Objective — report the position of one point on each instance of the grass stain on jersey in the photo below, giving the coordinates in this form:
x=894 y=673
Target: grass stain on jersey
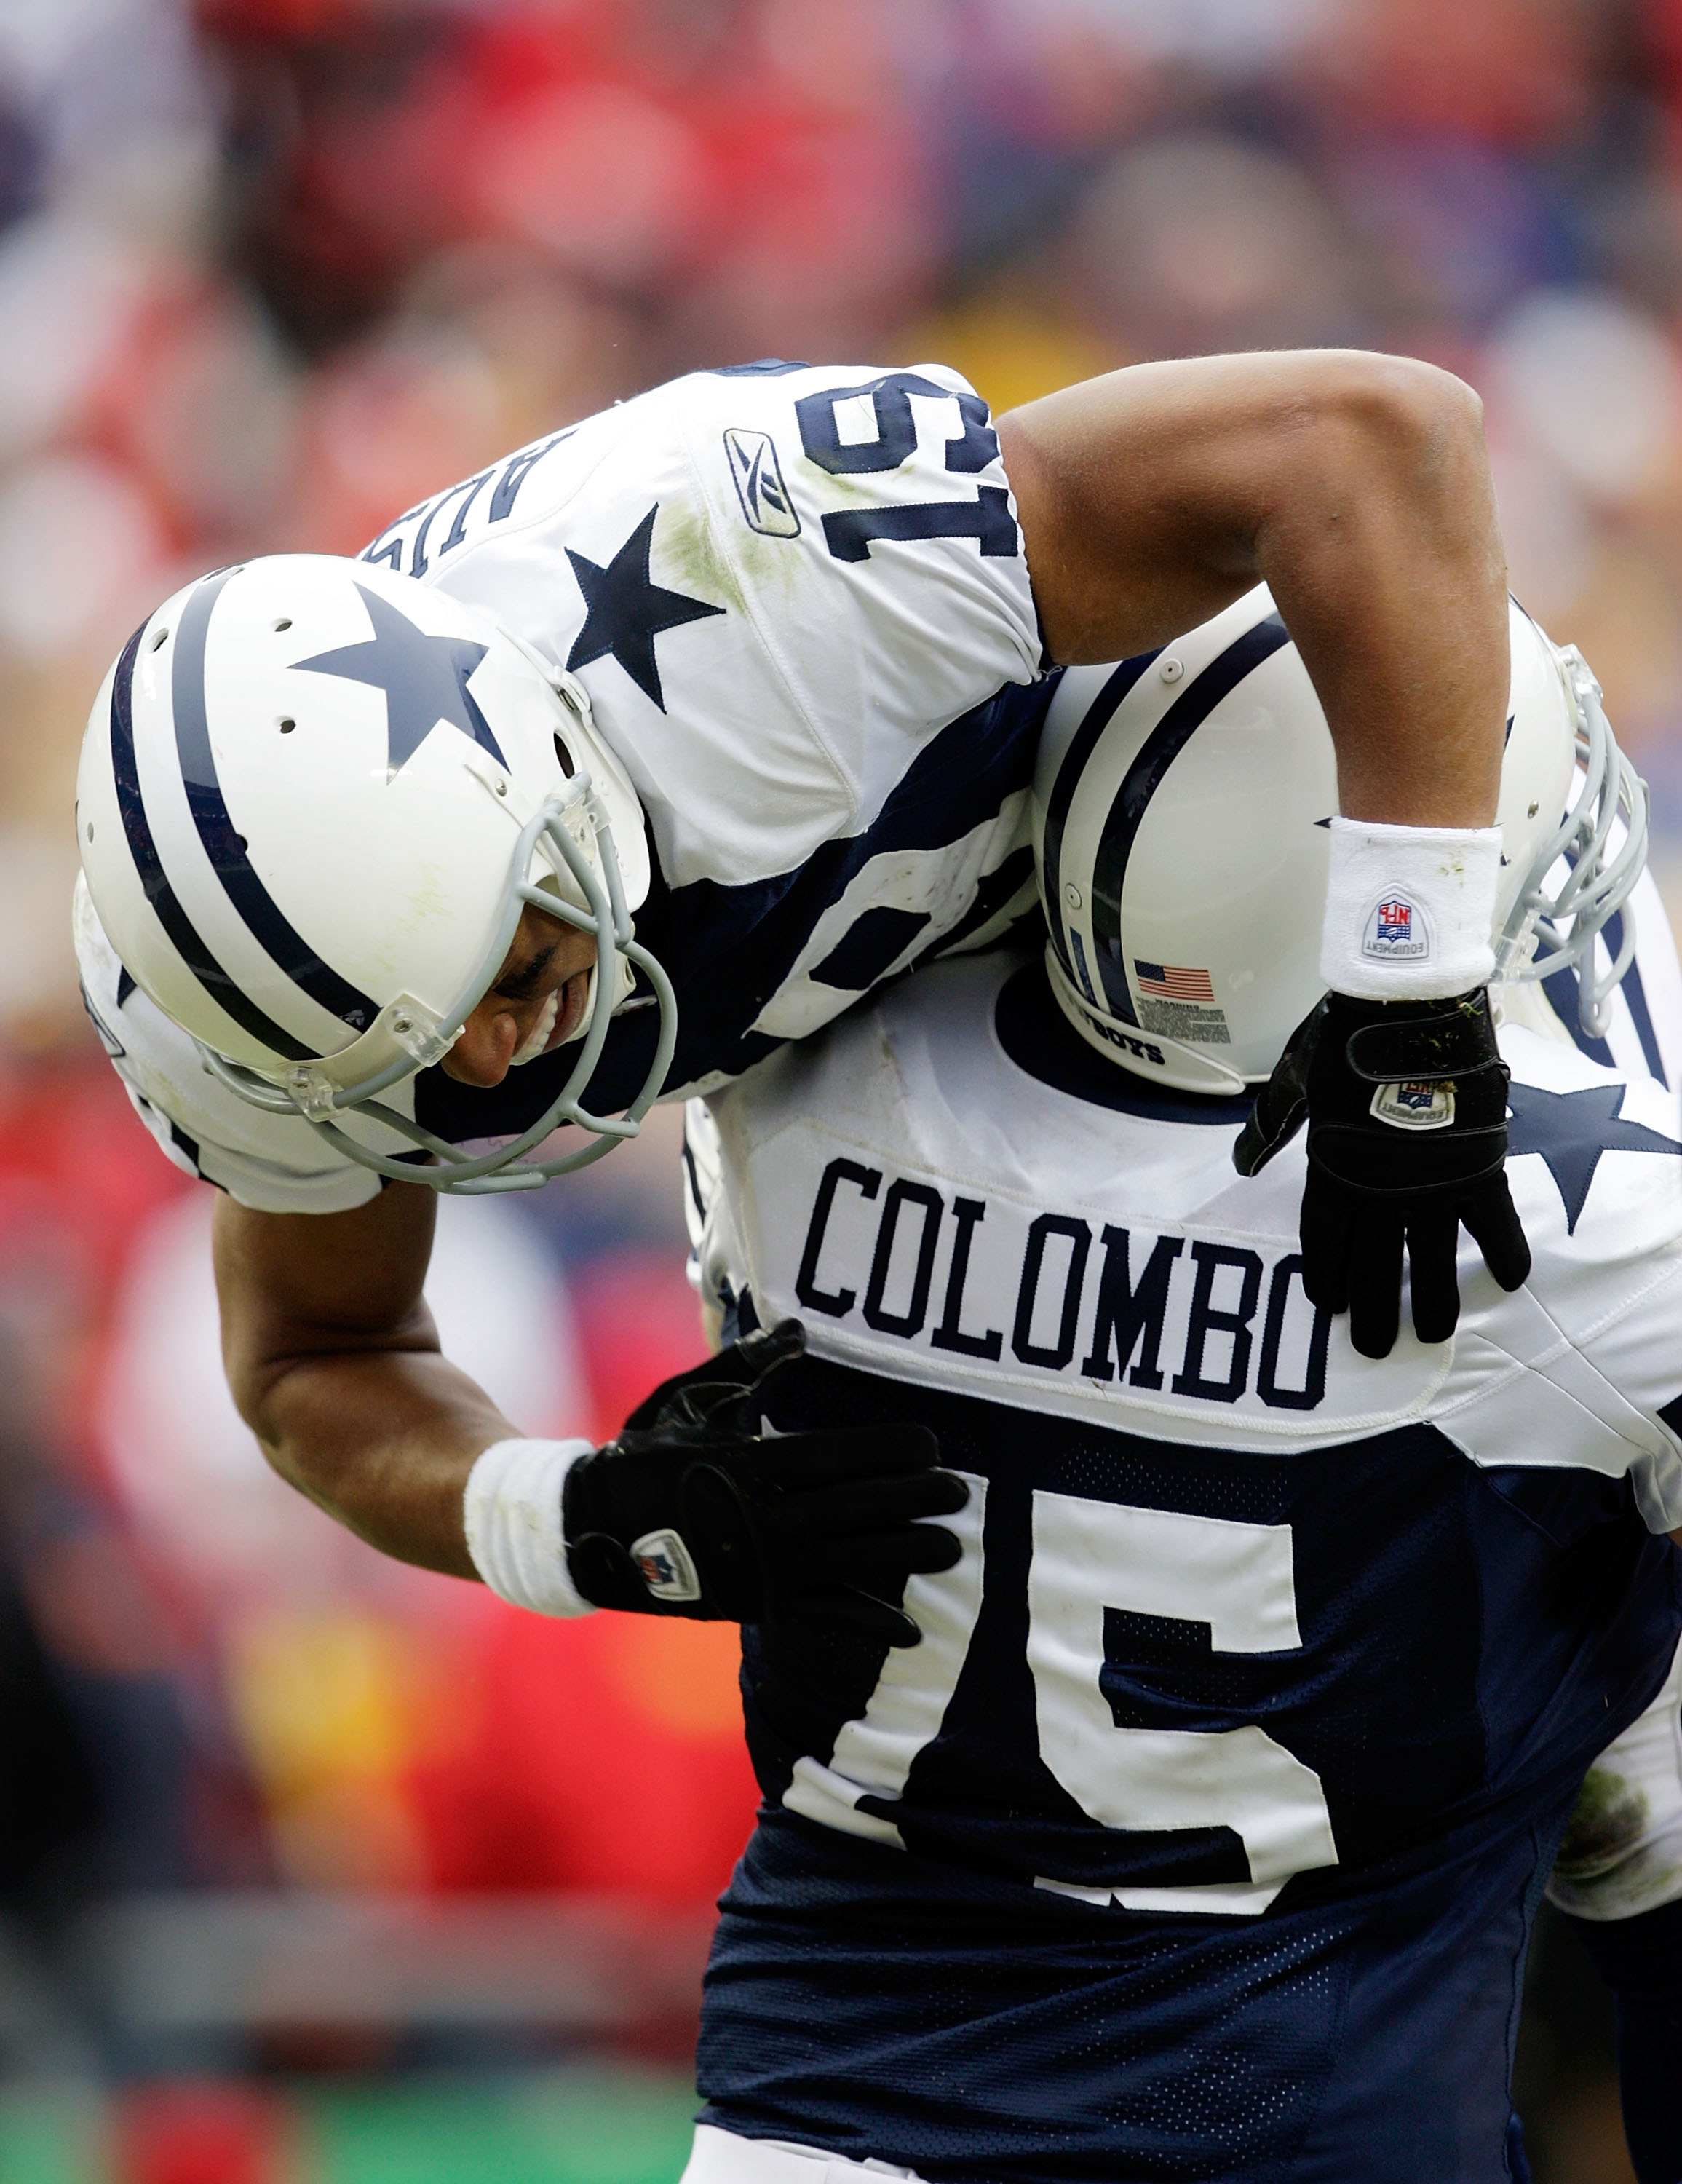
x=1606 y=1823
x=689 y=561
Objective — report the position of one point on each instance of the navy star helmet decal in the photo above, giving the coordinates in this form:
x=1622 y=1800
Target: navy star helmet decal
x=424 y=678
x=624 y=612
x=1571 y=1130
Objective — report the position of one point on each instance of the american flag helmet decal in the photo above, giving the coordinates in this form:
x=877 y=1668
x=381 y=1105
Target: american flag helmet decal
x=1174 y=981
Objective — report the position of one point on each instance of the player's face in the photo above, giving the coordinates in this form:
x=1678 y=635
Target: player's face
x=548 y=962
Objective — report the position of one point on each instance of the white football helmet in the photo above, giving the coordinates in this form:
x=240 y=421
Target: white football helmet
x=313 y=798
x=1180 y=803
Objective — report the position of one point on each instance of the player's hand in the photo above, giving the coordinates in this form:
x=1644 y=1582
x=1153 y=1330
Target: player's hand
x=1406 y=1103
x=695 y=1510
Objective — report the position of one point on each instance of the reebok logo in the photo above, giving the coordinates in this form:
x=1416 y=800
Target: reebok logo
x=758 y=476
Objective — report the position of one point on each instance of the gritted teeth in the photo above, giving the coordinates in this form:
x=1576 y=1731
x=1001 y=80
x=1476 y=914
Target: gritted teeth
x=540 y=1031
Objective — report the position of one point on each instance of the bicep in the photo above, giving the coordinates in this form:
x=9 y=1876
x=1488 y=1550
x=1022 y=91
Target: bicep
x=1121 y=551
x=296 y=1284
x=1147 y=497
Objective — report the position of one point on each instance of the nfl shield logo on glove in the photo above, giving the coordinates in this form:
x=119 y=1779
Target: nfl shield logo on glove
x=1396 y=930
x=664 y=1565
x=1414 y=1106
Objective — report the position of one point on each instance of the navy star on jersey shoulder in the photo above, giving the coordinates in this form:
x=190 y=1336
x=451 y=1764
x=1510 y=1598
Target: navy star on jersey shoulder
x=624 y=611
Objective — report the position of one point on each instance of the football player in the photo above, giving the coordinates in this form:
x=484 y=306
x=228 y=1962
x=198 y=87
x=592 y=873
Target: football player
x=759 y=659
x=1201 y=1834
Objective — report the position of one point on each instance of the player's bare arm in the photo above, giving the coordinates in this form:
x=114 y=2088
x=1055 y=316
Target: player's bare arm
x=330 y=1349
x=334 y=1362
x=1355 y=486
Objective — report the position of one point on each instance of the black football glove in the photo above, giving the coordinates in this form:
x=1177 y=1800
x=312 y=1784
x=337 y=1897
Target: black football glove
x=694 y=1510
x=1406 y=1103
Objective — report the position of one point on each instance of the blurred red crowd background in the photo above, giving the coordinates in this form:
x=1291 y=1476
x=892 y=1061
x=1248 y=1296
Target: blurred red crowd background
x=272 y=271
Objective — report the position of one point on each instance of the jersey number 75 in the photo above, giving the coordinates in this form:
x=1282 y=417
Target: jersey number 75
x=1089 y=1556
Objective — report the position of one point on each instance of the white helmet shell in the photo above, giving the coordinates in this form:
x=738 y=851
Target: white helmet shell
x=1180 y=805
x=312 y=797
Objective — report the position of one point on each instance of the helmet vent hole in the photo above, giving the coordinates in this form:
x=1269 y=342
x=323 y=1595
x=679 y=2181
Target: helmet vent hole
x=287 y=725
x=160 y=638
x=285 y=622
x=564 y=758
x=90 y=830
x=243 y=844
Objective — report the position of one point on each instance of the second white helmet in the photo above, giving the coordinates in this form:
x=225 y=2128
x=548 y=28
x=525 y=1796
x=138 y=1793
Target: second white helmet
x=1180 y=809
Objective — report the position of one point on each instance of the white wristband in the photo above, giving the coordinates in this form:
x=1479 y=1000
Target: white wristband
x=1410 y=910
x=512 y=1510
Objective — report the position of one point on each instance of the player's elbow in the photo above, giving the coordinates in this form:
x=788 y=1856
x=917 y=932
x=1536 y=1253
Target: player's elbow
x=1399 y=425
x=256 y=1375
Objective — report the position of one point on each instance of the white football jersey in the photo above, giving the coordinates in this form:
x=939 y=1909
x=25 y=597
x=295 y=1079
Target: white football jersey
x=935 y=1210
x=811 y=570
x=798 y=599
x=986 y=1227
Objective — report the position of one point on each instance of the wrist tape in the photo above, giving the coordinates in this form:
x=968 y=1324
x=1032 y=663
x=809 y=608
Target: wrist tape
x=1410 y=910
x=512 y=1511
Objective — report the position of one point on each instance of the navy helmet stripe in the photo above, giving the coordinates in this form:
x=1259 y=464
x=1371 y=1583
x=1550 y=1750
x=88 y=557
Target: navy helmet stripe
x=1082 y=744
x=1144 y=778
x=224 y=847
x=159 y=894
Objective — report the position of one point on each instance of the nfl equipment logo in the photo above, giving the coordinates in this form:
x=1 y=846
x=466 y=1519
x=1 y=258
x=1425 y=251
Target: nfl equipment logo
x=1395 y=927
x=1414 y=1106
x=664 y=1565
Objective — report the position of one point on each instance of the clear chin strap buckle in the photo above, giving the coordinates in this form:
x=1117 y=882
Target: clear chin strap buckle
x=311 y=1091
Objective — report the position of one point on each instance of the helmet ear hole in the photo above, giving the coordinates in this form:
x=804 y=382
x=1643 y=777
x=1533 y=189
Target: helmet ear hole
x=563 y=757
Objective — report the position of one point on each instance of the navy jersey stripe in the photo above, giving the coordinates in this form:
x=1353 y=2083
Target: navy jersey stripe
x=223 y=846
x=1144 y=778
x=728 y=949
x=189 y=945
